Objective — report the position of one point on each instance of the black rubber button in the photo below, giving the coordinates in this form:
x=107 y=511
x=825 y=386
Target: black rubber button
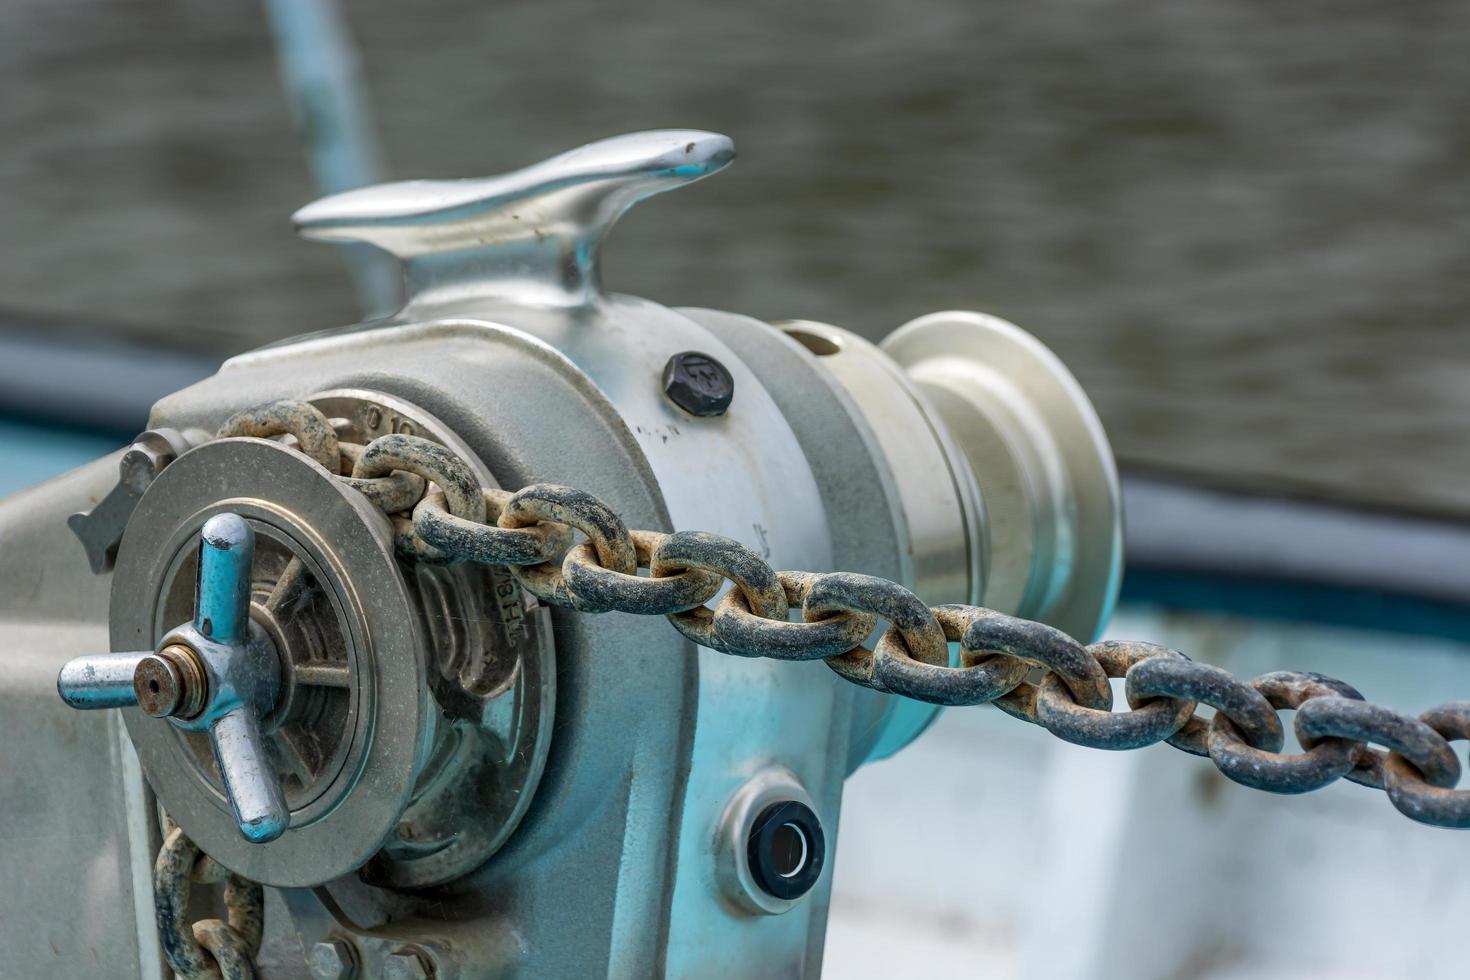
x=786 y=849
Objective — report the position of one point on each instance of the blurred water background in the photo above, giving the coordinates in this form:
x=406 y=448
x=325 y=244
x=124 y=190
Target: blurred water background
x=1245 y=226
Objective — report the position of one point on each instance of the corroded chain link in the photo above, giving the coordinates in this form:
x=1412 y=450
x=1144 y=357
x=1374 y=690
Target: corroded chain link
x=1068 y=691
x=209 y=949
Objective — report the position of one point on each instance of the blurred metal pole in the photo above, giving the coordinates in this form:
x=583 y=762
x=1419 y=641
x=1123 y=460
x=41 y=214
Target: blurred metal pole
x=320 y=74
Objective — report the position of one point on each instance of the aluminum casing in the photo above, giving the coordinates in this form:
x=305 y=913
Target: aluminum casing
x=652 y=735
x=509 y=342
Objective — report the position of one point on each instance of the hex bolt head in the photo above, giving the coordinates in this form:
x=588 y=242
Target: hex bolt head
x=407 y=964
x=698 y=384
x=333 y=959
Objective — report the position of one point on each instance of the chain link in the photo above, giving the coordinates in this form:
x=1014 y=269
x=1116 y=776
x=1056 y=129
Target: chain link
x=530 y=531
x=210 y=949
x=441 y=514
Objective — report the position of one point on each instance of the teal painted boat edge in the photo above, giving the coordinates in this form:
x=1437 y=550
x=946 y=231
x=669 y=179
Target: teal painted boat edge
x=31 y=453
x=1303 y=602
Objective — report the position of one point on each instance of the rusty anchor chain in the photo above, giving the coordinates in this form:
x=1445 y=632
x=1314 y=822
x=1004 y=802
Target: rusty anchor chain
x=441 y=514
x=210 y=949
x=531 y=533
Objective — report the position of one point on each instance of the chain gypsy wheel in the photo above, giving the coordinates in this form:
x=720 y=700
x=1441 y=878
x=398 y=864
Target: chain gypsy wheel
x=415 y=699
x=355 y=698
x=491 y=674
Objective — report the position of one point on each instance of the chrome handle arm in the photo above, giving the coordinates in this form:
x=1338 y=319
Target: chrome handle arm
x=250 y=781
x=222 y=595
x=99 y=681
x=222 y=615
x=218 y=674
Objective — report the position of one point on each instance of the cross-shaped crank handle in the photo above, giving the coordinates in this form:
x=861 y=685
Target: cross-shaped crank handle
x=219 y=674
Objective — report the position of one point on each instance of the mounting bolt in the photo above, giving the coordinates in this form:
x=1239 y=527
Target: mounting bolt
x=407 y=964
x=698 y=384
x=333 y=959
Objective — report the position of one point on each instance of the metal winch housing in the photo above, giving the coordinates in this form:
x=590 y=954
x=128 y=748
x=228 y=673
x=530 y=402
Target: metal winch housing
x=475 y=774
x=409 y=694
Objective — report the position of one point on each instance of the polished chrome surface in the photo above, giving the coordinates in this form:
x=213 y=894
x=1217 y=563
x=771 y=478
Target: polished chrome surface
x=243 y=675
x=1040 y=456
x=941 y=502
x=222 y=596
x=534 y=234
x=254 y=792
x=99 y=680
x=236 y=682
x=313 y=717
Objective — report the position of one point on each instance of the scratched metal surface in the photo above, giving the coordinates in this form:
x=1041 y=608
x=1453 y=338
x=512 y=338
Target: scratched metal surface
x=1245 y=226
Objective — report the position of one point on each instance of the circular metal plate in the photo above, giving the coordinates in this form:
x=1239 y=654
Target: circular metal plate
x=1042 y=460
x=297 y=505
x=324 y=677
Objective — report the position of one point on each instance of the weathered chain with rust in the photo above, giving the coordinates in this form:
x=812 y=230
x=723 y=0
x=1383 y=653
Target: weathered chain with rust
x=209 y=949
x=530 y=532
